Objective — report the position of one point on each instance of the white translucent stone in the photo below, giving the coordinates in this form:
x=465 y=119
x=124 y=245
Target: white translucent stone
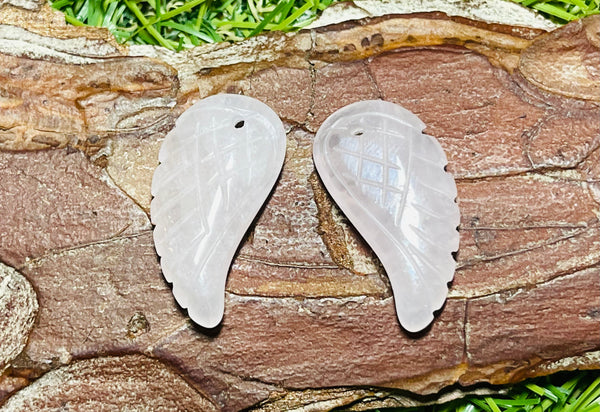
x=217 y=167
x=389 y=179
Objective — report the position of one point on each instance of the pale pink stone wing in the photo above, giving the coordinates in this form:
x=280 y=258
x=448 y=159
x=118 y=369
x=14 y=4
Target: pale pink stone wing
x=217 y=167
x=389 y=179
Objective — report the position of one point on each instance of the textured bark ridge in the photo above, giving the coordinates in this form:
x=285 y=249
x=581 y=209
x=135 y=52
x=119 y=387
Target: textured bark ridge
x=108 y=383
x=309 y=319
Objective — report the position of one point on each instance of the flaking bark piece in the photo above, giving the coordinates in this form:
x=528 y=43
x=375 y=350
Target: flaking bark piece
x=18 y=308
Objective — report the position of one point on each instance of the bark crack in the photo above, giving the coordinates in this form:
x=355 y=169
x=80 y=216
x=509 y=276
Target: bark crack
x=270 y=385
x=535 y=285
x=544 y=171
x=300 y=265
x=313 y=81
x=465 y=333
x=125 y=193
x=22 y=171
x=34 y=260
x=165 y=337
x=367 y=65
x=582 y=230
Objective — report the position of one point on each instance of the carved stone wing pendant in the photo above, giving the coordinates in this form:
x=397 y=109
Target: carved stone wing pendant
x=217 y=167
x=389 y=179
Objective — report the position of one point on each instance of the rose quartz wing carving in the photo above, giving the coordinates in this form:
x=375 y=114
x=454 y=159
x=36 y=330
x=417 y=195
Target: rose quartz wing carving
x=217 y=167
x=389 y=179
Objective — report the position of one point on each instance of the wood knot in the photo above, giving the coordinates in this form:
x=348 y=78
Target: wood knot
x=137 y=325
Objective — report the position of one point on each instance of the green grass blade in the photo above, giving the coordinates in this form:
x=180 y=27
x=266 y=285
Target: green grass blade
x=60 y=4
x=151 y=29
x=492 y=404
x=579 y=3
x=189 y=30
x=201 y=14
x=286 y=10
x=73 y=20
x=182 y=9
x=591 y=408
x=528 y=3
x=542 y=392
x=560 y=392
x=147 y=39
x=516 y=402
x=253 y=10
x=92 y=12
x=544 y=405
x=242 y=25
x=110 y=12
x=269 y=17
x=482 y=404
x=118 y=14
x=292 y=17
x=82 y=13
x=554 y=11
x=470 y=408
x=591 y=394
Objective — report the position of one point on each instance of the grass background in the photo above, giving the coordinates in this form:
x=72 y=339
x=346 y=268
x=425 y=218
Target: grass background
x=181 y=24
x=577 y=391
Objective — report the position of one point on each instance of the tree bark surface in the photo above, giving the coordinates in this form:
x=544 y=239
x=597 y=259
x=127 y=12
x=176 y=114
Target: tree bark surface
x=309 y=319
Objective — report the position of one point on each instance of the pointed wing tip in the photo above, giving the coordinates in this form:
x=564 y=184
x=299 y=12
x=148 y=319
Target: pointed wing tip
x=205 y=309
x=416 y=324
x=415 y=320
x=207 y=322
x=208 y=318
